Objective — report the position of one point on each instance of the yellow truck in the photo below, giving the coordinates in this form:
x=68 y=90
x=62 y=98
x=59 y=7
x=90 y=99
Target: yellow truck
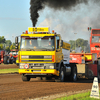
x=44 y=55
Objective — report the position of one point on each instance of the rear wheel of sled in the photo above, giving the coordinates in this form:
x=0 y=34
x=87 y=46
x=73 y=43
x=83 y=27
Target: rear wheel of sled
x=6 y=60
x=25 y=77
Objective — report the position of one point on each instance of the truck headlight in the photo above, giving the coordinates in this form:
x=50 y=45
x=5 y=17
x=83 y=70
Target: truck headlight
x=21 y=66
x=51 y=67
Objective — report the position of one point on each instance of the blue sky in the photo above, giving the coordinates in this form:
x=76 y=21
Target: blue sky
x=15 y=19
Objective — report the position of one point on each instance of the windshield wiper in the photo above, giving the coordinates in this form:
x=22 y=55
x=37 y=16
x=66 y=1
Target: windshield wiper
x=45 y=49
x=30 y=50
x=27 y=49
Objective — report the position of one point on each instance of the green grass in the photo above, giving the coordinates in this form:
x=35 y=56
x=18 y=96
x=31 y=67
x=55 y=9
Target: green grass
x=80 y=96
x=13 y=70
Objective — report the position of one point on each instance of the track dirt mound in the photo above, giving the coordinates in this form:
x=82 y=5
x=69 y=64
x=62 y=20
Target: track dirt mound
x=7 y=66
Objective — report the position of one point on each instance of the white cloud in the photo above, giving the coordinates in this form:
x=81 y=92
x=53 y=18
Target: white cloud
x=77 y=20
x=46 y=23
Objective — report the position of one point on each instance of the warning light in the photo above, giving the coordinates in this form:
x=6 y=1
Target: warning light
x=26 y=32
x=88 y=28
x=52 y=31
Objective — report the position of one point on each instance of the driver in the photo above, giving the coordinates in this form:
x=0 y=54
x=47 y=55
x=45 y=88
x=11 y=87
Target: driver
x=30 y=42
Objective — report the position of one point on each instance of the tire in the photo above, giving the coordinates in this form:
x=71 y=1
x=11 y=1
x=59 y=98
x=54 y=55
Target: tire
x=25 y=78
x=11 y=61
x=14 y=60
x=61 y=77
x=73 y=76
x=6 y=60
x=17 y=64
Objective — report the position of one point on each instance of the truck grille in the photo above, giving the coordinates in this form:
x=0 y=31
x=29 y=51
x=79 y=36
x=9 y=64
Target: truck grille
x=37 y=58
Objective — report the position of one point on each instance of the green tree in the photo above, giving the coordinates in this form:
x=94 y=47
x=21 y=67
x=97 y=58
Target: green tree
x=72 y=44
x=79 y=42
x=8 y=43
x=12 y=47
x=7 y=48
x=13 y=44
x=2 y=39
x=1 y=46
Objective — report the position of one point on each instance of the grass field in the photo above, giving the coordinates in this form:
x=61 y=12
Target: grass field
x=12 y=70
x=81 y=96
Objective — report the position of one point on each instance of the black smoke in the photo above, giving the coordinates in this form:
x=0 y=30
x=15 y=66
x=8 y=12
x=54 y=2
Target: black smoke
x=37 y=5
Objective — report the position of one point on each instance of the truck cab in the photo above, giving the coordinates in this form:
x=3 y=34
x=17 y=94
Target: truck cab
x=44 y=55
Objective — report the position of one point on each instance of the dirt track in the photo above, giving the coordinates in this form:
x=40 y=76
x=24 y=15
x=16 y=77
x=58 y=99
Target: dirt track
x=12 y=87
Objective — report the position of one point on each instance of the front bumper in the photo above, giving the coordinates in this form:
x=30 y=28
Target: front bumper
x=39 y=71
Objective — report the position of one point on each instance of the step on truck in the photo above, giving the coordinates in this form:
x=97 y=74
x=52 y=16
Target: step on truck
x=44 y=55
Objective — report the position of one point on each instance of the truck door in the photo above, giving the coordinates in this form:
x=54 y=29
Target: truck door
x=58 y=56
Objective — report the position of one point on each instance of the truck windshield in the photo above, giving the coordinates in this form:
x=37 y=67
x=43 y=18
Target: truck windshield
x=38 y=43
x=95 y=39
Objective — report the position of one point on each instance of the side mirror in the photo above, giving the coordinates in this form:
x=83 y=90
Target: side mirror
x=57 y=44
x=16 y=43
x=61 y=43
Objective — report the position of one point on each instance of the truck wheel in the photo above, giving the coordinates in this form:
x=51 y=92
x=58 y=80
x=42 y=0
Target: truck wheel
x=61 y=78
x=6 y=60
x=25 y=78
x=62 y=75
x=73 y=76
x=17 y=64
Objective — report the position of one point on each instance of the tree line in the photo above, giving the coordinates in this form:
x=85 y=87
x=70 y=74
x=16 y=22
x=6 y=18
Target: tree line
x=80 y=43
x=6 y=44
